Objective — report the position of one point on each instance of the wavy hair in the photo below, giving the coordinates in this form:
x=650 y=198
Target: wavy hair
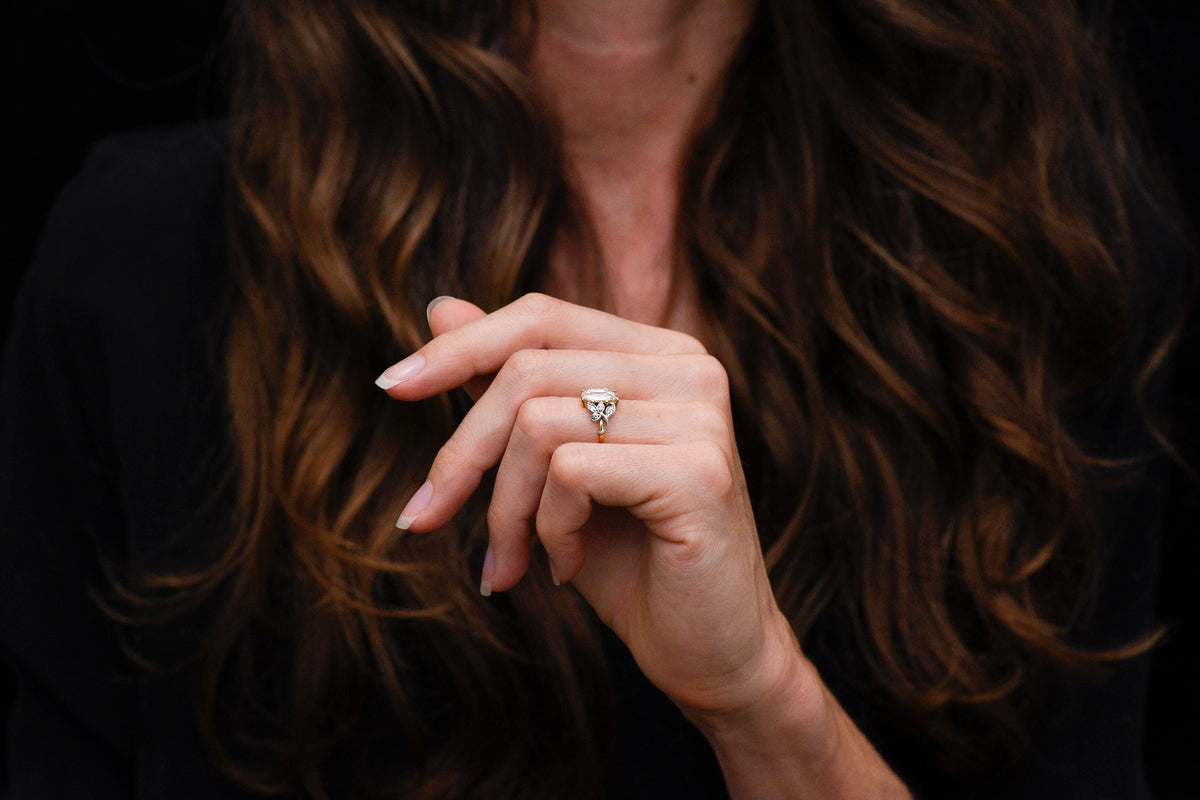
x=908 y=222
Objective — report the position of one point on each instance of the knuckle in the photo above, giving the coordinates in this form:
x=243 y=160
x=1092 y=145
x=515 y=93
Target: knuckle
x=567 y=464
x=547 y=529
x=538 y=305
x=687 y=344
x=708 y=421
x=711 y=467
x=452 y=453
x=497 y=519
x=456 y=457
x=524 y=365
x=711 y=376
x=532 y=417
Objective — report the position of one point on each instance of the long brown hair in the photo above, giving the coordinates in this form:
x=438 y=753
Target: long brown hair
x=908 y=224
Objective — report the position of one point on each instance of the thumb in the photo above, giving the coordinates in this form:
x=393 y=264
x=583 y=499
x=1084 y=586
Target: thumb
x=448 y=313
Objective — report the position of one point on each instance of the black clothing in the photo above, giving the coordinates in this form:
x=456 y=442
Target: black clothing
x=112 y=453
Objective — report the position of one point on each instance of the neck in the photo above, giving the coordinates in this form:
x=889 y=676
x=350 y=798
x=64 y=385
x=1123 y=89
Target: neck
x=629 y=82
x=632 y=76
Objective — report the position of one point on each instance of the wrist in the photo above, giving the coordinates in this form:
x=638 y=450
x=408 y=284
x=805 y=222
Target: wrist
x=784 y=694
x=791 y=738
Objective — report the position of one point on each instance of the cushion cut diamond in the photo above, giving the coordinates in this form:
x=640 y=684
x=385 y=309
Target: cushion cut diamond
x=599 y=396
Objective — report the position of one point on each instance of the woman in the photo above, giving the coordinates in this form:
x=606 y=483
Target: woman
x=859 y=284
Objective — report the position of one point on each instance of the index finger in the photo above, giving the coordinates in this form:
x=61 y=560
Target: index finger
x=535 y=321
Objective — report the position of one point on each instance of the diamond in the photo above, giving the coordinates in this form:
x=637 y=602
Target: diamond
x=599 y=397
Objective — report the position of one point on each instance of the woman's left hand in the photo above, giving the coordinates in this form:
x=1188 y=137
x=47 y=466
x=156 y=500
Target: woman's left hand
x=653 y=527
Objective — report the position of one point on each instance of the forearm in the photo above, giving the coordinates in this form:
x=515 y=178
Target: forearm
x=798 y=743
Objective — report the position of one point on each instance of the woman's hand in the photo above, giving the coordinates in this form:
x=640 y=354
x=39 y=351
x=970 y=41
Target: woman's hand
x=653 y=526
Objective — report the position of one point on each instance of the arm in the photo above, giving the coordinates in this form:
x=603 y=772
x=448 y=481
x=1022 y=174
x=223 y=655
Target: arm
x=106 y=423
x=69 y=729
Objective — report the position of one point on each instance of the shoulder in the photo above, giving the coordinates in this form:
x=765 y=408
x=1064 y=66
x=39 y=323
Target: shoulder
x=125 y=299
x=144 y=216
x=133 y=180
x=141 y=169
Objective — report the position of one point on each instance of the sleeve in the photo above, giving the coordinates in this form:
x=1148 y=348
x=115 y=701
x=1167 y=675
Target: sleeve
x=69 y=731
x=110 y=445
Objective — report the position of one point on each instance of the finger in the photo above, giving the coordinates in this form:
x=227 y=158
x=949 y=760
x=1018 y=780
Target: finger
x=671 y=489
x=480 y=439
x=543 y=424
x=446 y=314
x=535 y=321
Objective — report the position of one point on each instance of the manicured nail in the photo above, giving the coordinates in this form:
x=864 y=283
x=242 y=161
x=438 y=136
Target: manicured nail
x=434 y=304
x=418 y=503
x=399 y=373
x=489 y=569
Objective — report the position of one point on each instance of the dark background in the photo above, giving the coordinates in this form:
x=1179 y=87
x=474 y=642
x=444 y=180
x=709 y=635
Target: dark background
x=1159 y=44
x=75 y=71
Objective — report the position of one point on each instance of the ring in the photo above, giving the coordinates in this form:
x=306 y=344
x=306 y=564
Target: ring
x=601 y=403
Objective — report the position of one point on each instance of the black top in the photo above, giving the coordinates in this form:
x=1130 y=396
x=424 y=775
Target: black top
x=111 y=452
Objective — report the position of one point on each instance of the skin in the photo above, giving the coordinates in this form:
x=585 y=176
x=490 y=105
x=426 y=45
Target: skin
x=653 y=527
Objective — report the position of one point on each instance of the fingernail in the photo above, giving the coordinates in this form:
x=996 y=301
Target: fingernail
x=553 y=571
x=418 y=503
x=401 y=372
x=489 y=569
x=434 y=304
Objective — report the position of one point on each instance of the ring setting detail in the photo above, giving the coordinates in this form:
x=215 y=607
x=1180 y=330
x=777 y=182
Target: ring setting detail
x=601 y=403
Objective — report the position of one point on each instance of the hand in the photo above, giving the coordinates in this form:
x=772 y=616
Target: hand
x=653 y=527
